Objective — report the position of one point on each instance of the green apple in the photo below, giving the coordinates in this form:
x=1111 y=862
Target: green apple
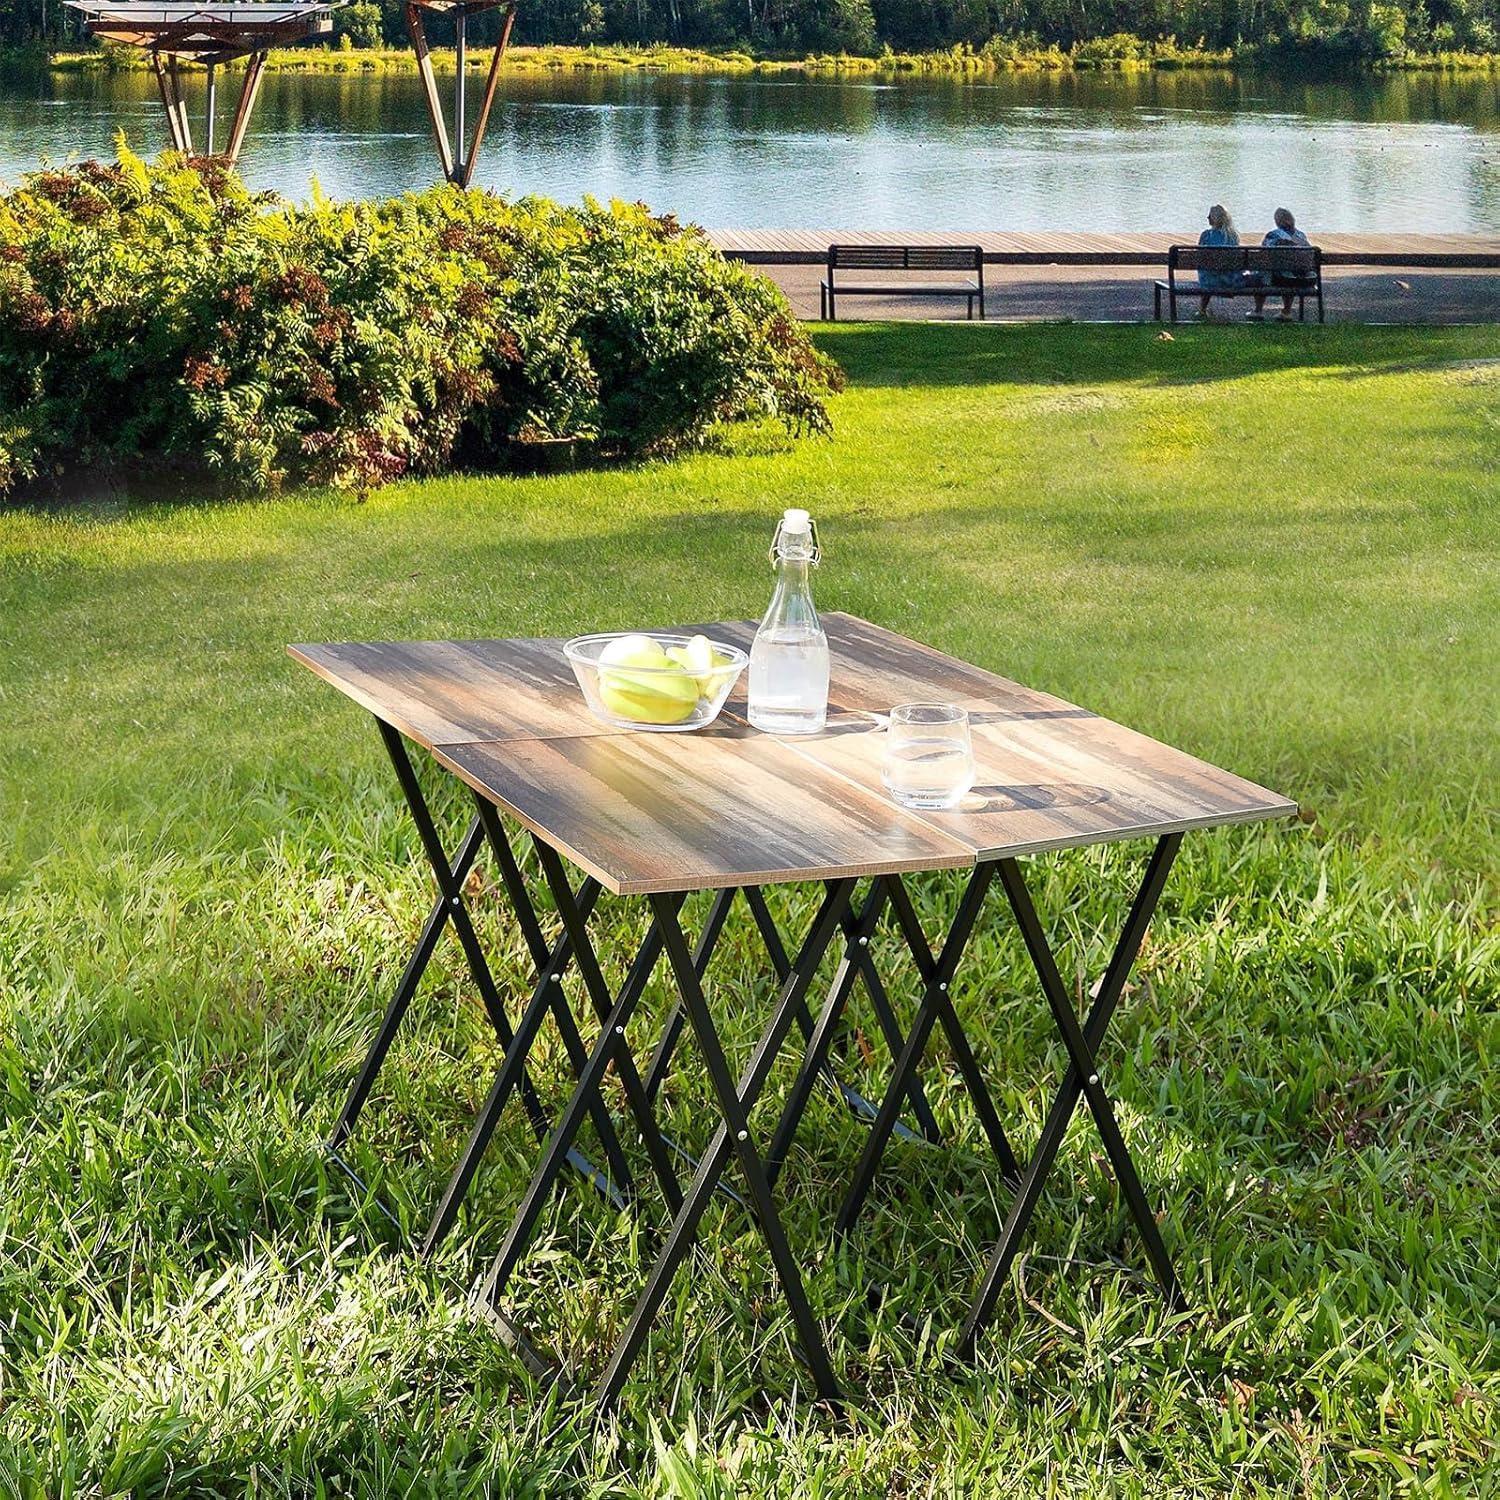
x=659 y=691
x=633 y=651
x=657 y=698
x=700 y=658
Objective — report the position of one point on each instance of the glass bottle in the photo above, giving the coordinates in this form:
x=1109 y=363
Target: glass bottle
x=789 y=659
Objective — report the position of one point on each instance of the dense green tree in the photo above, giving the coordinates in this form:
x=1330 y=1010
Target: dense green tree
x=1354 y=30
x=360 y=22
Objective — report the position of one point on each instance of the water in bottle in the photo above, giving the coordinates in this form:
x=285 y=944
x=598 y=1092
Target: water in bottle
x=789 y=659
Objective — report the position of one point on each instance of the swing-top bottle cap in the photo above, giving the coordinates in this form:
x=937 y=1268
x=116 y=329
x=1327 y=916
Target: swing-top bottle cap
x=796 y=537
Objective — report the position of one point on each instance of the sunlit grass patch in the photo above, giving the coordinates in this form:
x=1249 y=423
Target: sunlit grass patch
x=208 y=887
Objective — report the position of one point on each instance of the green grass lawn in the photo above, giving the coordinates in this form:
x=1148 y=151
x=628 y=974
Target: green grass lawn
x=1276 y=548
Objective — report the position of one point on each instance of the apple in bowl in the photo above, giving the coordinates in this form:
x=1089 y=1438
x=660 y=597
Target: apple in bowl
x=644 y=681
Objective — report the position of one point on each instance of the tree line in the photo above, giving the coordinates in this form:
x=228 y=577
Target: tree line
x=1356 y=30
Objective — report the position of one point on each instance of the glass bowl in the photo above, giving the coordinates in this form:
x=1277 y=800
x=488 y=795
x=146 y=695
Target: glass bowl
x=631 y=691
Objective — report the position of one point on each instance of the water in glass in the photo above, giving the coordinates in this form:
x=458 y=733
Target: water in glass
x=929 y=761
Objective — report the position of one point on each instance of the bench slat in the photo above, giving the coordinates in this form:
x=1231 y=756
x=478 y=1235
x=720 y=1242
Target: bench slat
x=906 y=257
x=907 y=289
x=1295 y=260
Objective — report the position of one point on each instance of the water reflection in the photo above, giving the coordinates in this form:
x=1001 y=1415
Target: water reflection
x=1024 y=152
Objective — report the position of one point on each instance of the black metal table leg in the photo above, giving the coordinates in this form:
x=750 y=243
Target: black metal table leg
x=1080 y=1079
x=598 y=990
x=770 y=933
x=666 y=1045
x=395 y=1011
x=547 y=991
x=879 y=1001
x=857 y=951
x=732 y=1136
x=963 y=1055
x=938 y=976
x=607 y=1049
x=521 y=903
x=820 y=1039
x=450 y=876
x=531 y=929
x=885 y=1015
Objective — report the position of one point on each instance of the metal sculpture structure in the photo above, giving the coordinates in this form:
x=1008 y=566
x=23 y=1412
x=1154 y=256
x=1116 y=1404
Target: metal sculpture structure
x=210 y=34
x=457 y=154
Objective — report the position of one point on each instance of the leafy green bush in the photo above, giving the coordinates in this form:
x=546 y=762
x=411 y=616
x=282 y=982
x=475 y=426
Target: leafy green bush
x=1121 y=48
x=359 y=22
x=164 y=311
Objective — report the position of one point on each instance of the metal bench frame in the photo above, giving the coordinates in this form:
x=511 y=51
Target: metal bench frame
x=1271 y=260
x=903 y=258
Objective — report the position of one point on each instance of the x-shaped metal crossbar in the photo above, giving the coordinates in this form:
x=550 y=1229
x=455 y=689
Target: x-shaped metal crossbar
x=731 y=1138
x=551 y=962
x=759 y=1166
x=857 y=963
x=1081 y=1079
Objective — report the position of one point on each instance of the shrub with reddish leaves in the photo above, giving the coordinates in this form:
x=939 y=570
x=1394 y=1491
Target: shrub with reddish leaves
x=162 y=310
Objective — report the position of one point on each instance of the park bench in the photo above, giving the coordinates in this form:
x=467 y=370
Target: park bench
x=922 y=258
x=1278 y=269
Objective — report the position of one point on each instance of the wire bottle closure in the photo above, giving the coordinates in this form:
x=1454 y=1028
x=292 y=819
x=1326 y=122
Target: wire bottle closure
x=814 y=553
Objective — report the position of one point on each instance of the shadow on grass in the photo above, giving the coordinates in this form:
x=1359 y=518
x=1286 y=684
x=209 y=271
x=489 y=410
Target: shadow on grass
x=963 y=354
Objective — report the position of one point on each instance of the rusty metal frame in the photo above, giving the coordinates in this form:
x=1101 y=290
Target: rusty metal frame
x=458 y=151
x=169 y=86
x=210 y=36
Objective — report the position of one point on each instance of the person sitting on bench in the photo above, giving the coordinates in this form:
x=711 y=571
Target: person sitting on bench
x=1220 y=231
x=1285 y=232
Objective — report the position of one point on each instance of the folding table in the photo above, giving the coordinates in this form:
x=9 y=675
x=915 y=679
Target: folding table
x=730 y=811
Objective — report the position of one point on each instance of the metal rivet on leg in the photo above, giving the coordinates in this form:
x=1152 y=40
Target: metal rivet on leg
x=864 y=942
x=944 y=986
x=744 y=1135
x=557 y=979
x=1093 y=1078
x=453 y=901
x=619 y=1031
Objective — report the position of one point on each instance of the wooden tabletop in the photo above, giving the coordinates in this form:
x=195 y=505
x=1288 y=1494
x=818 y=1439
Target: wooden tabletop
x=728 y=805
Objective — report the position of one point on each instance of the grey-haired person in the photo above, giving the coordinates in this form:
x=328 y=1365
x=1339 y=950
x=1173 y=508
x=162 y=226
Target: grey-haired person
x=1284 y=233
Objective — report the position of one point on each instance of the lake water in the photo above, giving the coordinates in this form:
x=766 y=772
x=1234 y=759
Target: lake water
x=1019 y=152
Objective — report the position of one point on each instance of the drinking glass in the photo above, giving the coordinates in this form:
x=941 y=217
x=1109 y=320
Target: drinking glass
x=929 y=760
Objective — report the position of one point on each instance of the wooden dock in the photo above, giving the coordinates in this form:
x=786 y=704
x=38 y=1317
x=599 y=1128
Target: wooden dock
x=809 y=247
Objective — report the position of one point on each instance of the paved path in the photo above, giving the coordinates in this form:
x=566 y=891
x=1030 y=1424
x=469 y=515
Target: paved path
x=810 y=246
x=1123 y=295
x=1106 y=278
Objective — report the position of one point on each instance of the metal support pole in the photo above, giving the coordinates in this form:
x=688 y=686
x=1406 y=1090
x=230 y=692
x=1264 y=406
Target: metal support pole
x=208 y=110
x=471 y=151
x=179 y=104
x=460 y=134
x=254 y=69
x=169 y=85
x=417 y=29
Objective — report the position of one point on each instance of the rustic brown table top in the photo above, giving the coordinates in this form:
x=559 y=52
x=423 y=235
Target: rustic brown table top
x=728 y=805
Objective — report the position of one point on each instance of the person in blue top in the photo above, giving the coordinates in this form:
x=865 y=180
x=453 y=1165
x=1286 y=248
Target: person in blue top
x=1220 y=231
x=1283 y=232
